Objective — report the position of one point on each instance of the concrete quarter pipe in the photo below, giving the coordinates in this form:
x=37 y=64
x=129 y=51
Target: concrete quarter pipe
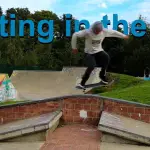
x=35 y=85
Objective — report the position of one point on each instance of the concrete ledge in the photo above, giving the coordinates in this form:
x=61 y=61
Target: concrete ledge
x=28 y=126
x=110 y=138
x=75 y=96
x=125 y=127
x=114 y=146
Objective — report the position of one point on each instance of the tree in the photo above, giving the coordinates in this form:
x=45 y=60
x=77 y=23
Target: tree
x=1 y=11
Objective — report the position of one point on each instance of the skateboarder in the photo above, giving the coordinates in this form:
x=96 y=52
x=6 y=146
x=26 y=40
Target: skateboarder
x=95 y=56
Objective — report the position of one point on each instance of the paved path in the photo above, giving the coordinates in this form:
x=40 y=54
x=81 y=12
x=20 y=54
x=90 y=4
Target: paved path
x=74 y=137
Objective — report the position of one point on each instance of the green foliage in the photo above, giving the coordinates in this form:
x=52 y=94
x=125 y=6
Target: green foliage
x=126 y=56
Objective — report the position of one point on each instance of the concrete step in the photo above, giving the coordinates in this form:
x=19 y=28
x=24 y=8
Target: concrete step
x=22 y=130
x=114 y=146
x=124 y=127
x=109 y=138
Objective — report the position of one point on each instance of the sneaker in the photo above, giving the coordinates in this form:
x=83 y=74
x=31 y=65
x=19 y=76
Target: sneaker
x=80 y=86
x=104 y=80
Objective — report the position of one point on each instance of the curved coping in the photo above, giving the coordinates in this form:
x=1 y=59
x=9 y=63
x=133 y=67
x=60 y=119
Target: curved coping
x=76 y=96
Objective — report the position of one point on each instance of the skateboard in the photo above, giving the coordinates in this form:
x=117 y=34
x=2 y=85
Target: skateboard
x=94 y=85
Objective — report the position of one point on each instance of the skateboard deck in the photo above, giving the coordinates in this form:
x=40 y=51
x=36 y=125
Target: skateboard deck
x=93 y=85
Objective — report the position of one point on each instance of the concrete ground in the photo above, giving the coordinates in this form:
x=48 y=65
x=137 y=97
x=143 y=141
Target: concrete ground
x=21 y=145
x=114 y=146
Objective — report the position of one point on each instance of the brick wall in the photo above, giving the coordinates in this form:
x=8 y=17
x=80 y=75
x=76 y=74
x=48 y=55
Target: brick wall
x=72 y=108
x=12 y=113
x=133 y=111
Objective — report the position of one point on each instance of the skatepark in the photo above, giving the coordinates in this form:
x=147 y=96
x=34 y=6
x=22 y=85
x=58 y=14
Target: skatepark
x=52 y=107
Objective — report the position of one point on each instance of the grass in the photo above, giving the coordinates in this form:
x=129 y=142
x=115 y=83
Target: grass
x=127 y=88
x=10 y=102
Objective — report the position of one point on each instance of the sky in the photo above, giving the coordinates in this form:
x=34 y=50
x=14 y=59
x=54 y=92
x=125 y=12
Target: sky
x=91 y=10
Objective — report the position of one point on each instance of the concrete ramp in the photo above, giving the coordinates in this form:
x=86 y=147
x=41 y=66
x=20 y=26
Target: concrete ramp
x=125 y=128
x=35 y=85
x=77 y=72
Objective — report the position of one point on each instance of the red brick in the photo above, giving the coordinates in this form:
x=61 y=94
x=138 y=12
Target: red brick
x=34 y=106
x=117 y=104
x=131 y=109
x=117 y=109
x=15 y=109
x=3 y=114
x=91 y=114
x=92 y=101
x=23 y=109
x=19 y=115
x=52 y=104
x=87 y=107
x=75 y=113
x=77 y=119
x=139 y=110
x=135 y=116
x=2 y=110
x=27 y=115
x=98 y=114
x=56 y=104
x=50 y=107
x=95 y=121
x=69 y=106
x=95 y=107
x=70 y=100
x=109 y=108
x=43 y=104
x=42 y=112
x=67 y=112
x=81 y=101
x=127 y=105
x=68 y=118
x=8 y=110
x=147 y=111
x=145 y=118
x=10 y=115
x=89 y=121
x=78 y=106
x=108 y=103
x=124 y=109
x=74 y=101
x=99 y=102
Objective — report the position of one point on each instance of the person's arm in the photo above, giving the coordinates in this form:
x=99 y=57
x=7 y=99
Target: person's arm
x=114 y=33
x=79 y=34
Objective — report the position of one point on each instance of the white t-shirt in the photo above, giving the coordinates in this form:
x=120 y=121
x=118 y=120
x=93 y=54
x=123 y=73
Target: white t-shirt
x=93 y=42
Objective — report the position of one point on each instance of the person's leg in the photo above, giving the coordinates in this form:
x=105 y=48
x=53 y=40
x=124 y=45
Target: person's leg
x=90 y=63
x=102 y=60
